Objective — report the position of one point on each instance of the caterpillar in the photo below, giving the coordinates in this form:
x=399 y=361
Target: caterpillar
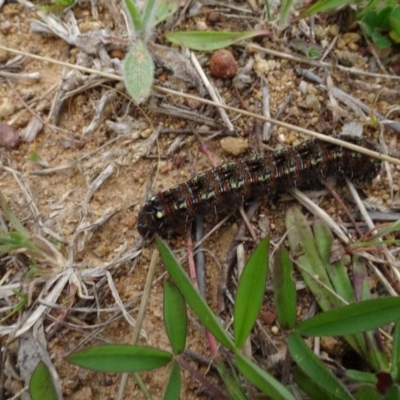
x=230 y=184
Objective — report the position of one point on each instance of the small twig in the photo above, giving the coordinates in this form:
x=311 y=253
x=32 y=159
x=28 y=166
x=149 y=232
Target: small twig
x=212 y=92
x=305 y=60
x=346 y=98
x=343 y=206
x=266 y=109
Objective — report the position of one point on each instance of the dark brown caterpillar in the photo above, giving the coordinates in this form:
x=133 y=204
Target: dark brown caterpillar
x=228 y=185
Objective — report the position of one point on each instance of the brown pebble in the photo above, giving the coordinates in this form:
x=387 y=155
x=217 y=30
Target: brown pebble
x=214 y=17
x=8 y=137
x=117 y=53
x=223 y=65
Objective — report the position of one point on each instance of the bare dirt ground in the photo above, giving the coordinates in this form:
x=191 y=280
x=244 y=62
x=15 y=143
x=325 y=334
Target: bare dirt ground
x=95 y=229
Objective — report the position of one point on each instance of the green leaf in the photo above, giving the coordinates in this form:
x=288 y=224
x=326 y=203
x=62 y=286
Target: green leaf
x=393 y=393
x=138 y=72
x=362 y=377
x=135 y=16
x=284 y=290
x=324 y=6
x=233 y=385
x=305 y=251
x=395 y=24
x=210 y=40
x=259 y=378
x=250 y=292
x=192 y=297
x=12 y=218
x=310 y=386
x=175 y=317
x=315 y=369
x=353 y=318
x=149 y=16
x=367 y=392
x=369 y=7
x=120 y=358
x=286 y=5
x=173 y=389
x=396 y=351
x=41 y=385
x=165 y=9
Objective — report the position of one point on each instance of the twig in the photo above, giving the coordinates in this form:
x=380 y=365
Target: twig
x=305 y=60
x=212 y=92
x=345 y=97
x=266 y=109
x=308 y=132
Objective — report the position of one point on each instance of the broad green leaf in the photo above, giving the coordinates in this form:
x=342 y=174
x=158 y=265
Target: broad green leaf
x=393 y=393
x=262 y=380
x=250 y=293
x=210 y=40
x=324 y=6
x=362 y=377
x=315 y=369
x=305 y=251
x=192 y=297
x=284 y=290
x=309 y=386
x=353 y=318
x=120 y=358
x=367 y=392
x=365 y=10
x=173 y=389
x=41 y=385
x=395 y=22
x=138 y=71
x=175 y=317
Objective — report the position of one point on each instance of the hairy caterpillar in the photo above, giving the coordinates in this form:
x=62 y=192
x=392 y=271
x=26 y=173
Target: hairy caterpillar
x=230 y=184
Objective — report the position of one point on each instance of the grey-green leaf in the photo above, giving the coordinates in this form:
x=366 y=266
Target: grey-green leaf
x=138 y=72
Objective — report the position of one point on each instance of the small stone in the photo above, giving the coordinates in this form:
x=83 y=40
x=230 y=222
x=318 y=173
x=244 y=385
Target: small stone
x=235 y=146
x=8 y=137
x=117 y=53
x=351 y=37
x=146 y=133
x=7 y=107
x=223 y=65
x=89 y=26
x=275 y=330
x=312 y=102
x=201 y=25
x=213 y=17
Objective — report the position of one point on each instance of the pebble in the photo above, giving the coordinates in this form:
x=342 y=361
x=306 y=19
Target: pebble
x=234 y=146
x=312 y=102
x=8 y=137
x=146 y=133
x=223 y=64
x=7 y=107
